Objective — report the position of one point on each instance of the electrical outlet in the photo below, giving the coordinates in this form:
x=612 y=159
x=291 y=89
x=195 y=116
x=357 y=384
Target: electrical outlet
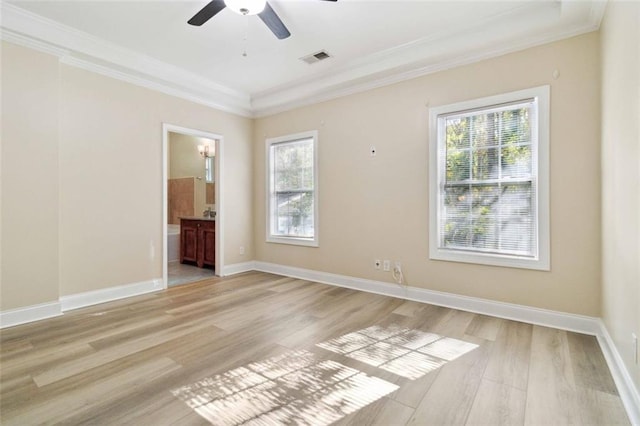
x=634 y=339
x=241 y=249
x=377 y=263
x=386 y=265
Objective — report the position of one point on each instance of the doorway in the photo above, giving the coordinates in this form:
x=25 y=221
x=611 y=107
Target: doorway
x=204 y=150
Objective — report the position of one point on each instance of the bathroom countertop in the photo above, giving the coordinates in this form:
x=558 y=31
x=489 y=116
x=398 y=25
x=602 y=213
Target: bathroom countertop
x=198 y=218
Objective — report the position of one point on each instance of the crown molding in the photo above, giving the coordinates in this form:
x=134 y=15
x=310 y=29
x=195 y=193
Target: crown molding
x=305 y=95
x=40 y=46
x=159 y=86
x=78 y=48
x=415 y=59
x=596 y=13
x=438 y=52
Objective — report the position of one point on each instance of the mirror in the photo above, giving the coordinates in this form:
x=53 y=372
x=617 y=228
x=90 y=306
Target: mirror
x=210 y=197
x=208 y=170
x=191 y=170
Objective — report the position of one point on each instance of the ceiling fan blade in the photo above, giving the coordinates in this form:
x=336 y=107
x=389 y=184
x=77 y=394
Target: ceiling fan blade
x=271 y=19
x=207 y=12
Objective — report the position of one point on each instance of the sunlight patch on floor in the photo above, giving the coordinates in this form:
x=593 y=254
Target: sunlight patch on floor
x=447 y=348
x=413 y=365
x=298 y=388
x=378 y=353
x=405 y=352
x=293 y=388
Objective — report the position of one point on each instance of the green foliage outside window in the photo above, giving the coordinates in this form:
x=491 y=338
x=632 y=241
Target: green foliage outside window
x=487 y=178
x=293 y=181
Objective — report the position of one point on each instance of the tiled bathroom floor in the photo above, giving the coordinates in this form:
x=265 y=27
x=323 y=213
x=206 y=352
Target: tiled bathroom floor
x=180 y=273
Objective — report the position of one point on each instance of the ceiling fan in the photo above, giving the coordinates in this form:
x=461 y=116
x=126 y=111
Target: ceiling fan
x=244 y=7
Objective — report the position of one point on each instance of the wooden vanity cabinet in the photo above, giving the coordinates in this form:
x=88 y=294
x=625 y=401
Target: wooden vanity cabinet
x=198 y=242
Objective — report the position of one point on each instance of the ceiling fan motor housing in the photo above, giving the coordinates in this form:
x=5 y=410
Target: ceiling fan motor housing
x=246 y=7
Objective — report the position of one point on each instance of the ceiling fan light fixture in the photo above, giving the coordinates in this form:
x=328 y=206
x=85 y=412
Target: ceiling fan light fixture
x=246 y=7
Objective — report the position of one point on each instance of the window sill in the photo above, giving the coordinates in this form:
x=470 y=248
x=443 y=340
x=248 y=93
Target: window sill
x=307 y=242
x=541 y=264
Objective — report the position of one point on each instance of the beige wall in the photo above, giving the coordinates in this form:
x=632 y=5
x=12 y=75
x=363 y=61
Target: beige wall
x=111 y=178
x=621 y=177
x=30 y=204
x=377 y=208
x=82 y=178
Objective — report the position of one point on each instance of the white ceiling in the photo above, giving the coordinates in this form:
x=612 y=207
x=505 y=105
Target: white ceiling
x=371 y=42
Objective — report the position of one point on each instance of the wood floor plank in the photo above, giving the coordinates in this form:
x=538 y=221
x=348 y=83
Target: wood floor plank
x=497 y=404
x=15 y=347
x=143 y=407
x=90 y=323
x=409 y=308
x=412 y=392
x=510 y=356
x=262 y=309
x=453 y=392
x=600 y=408
x=82 y=399
x=146 y=327
x=324 y=352
x=454 y=324
x=286 y=284
x=383 y=412
x=335 y=325
x=39 y=360
x=485 y=327
x=113 y=353
x=551 y=390
x=16 y=387
x=589 y=366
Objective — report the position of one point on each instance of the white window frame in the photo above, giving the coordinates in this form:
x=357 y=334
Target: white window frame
x=270 y=205
x=540 y=170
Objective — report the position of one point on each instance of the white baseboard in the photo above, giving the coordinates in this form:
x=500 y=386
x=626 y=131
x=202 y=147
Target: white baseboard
x=80 y=300
x=31 y=313
x=544 y=317
x=238 y=268
x=626 y=388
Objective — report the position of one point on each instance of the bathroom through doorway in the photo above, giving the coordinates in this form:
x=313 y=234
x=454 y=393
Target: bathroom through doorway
x=192 y=195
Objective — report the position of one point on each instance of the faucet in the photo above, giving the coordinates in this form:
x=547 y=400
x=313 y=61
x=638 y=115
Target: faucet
x=209 y=213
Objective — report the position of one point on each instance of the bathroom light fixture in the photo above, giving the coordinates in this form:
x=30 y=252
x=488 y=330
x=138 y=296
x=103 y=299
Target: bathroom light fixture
x=205 y=151
x=246 y=7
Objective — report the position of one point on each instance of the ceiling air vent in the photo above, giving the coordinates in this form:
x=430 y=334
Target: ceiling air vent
x=316 y=57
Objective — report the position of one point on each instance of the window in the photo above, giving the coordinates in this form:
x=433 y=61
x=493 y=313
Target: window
x=489 y=185
x=292 y=188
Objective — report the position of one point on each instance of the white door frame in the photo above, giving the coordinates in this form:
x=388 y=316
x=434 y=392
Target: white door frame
x=218 y=165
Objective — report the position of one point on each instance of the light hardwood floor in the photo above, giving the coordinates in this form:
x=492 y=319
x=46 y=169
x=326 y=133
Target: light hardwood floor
x=264 y=349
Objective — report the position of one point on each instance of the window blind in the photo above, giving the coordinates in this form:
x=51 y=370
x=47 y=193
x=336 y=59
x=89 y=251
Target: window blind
x=487 y=182
x=292 y=188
